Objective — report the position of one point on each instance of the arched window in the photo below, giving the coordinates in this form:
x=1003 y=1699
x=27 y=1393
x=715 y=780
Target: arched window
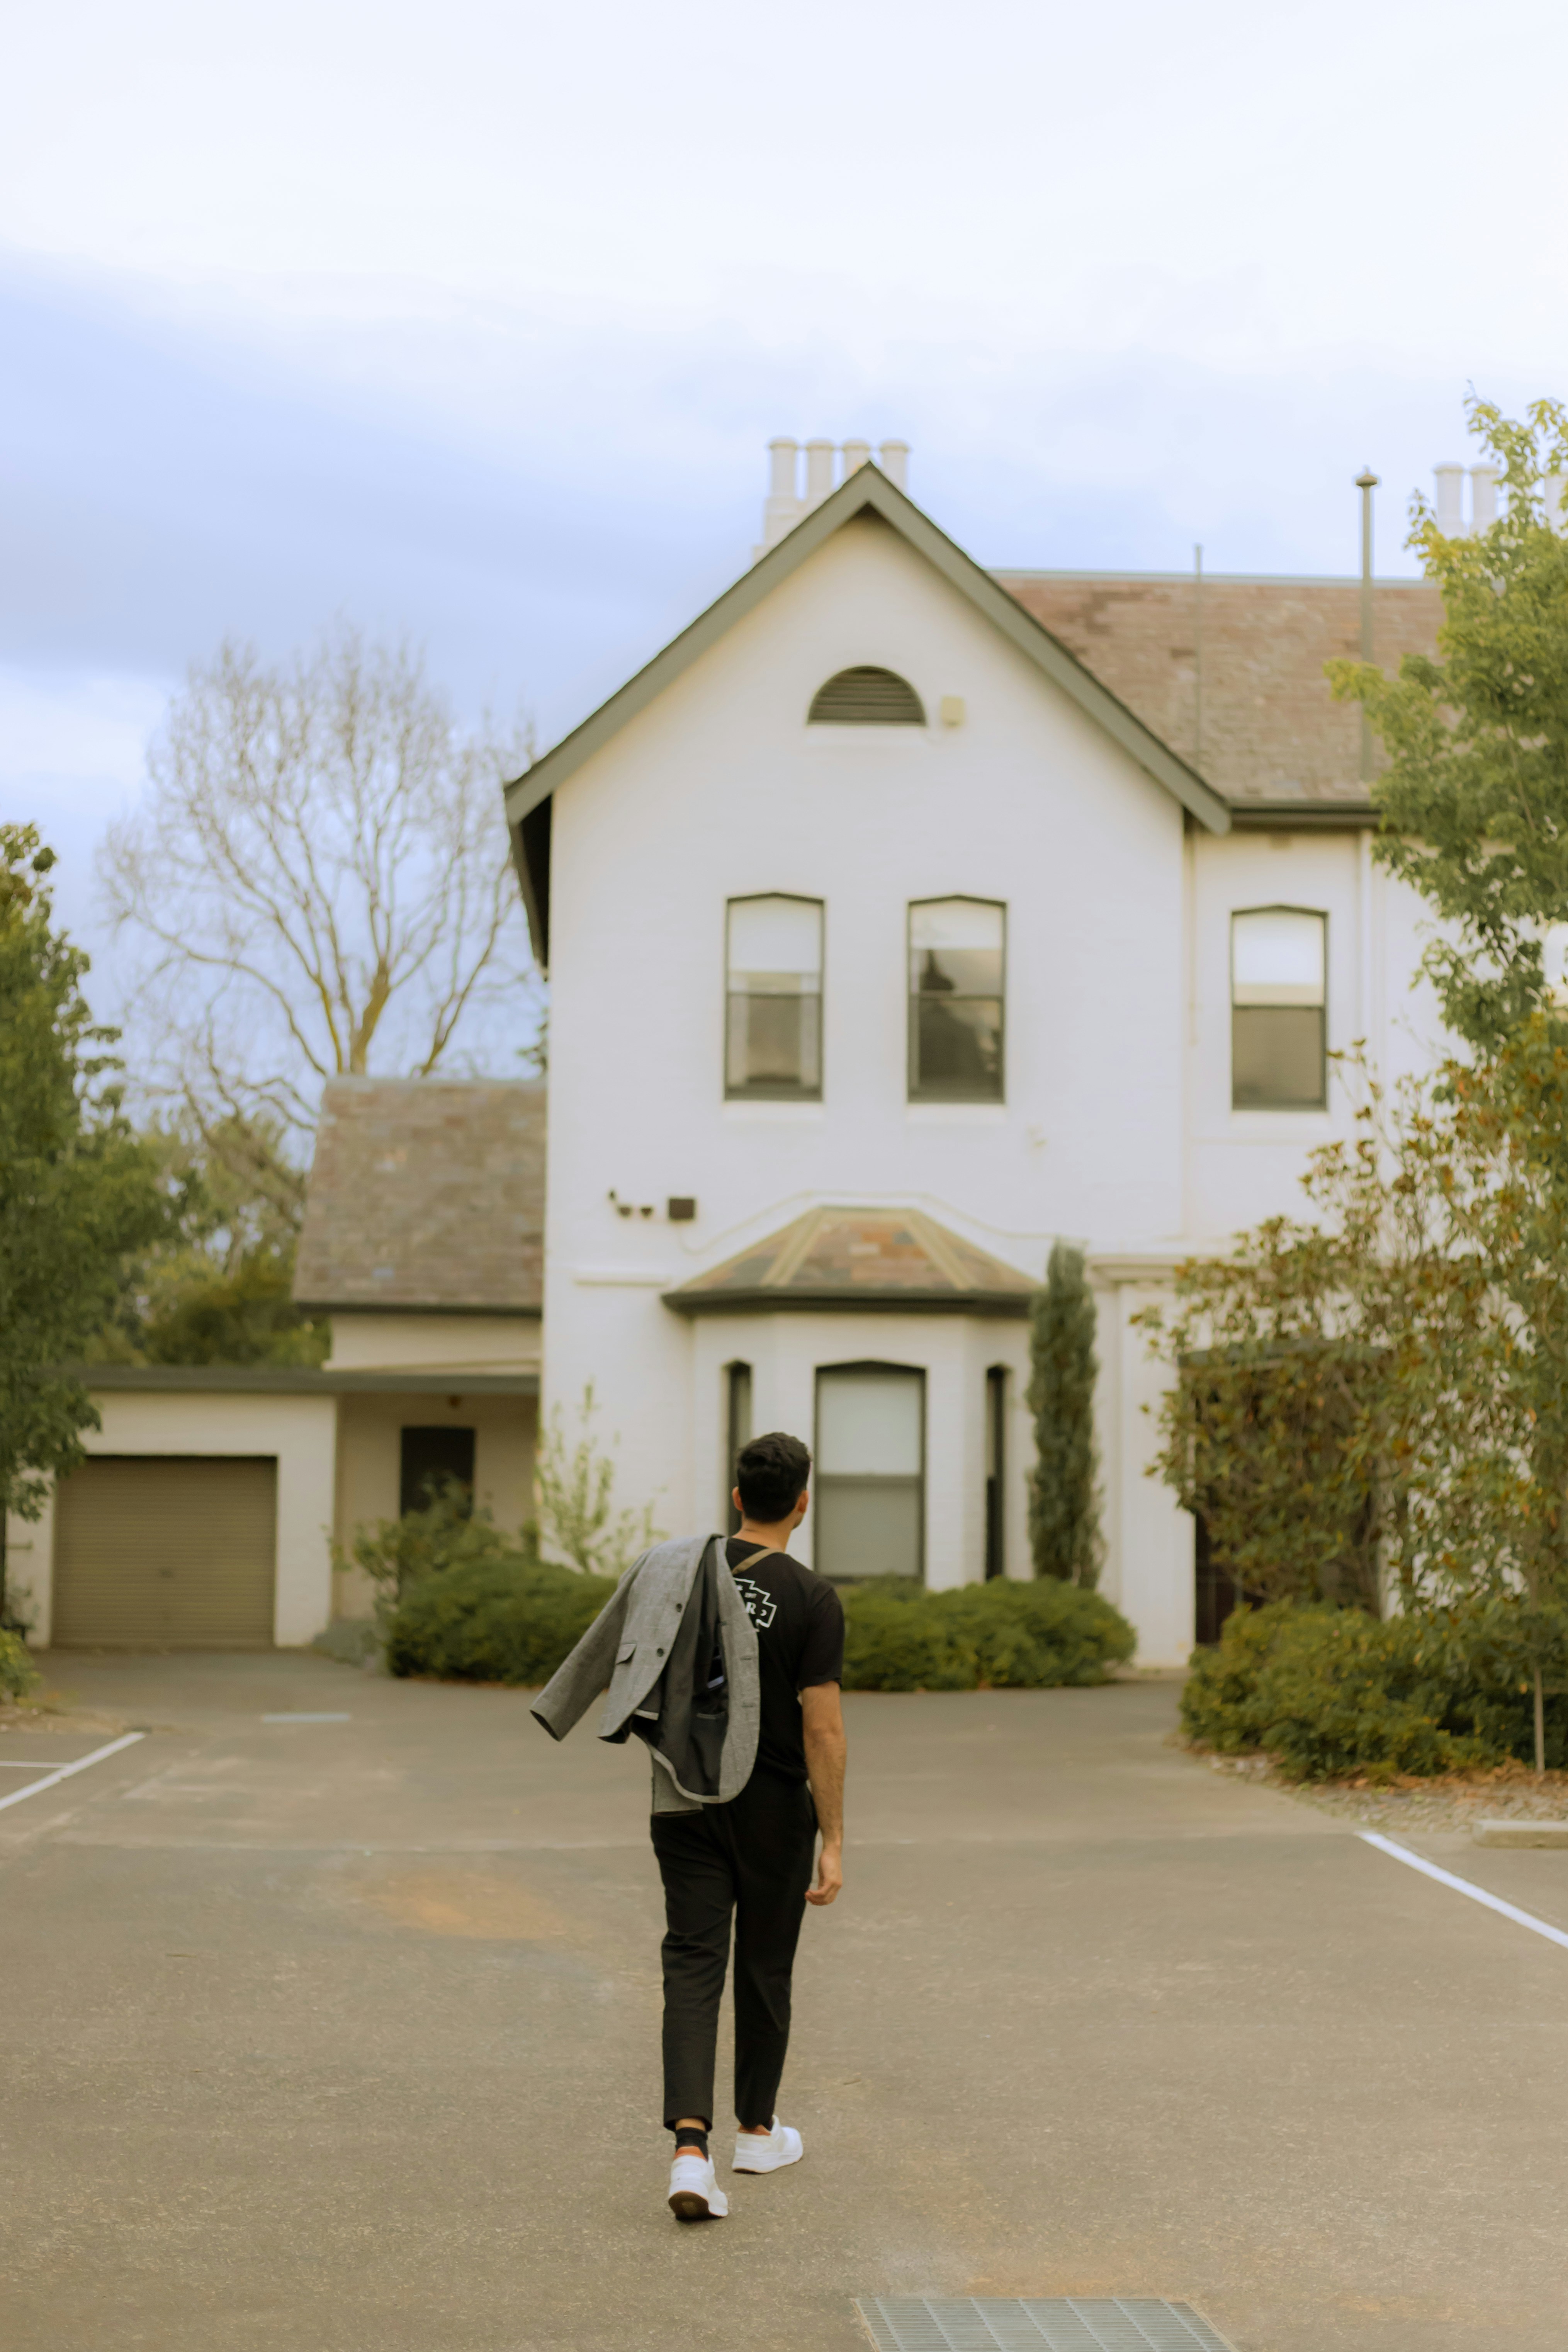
x=956 y=1002
x=773 y=1038
x=867 y=696
x=1279 y=1041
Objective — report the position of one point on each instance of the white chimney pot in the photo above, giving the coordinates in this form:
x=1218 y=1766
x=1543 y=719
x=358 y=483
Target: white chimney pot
x=856 y=455
x=893 y=457
x=1483 y=497
x=1450 y=481
x=818 y=471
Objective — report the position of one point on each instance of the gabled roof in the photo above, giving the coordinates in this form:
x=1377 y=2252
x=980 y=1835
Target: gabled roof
x=425 y=1195
x=866 y=490
x=858 y=1259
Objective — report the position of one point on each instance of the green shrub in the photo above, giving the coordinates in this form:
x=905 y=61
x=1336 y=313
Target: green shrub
x=1333 y=1693
x=997 y=1635
x=504 y=1617
x=18 y=1676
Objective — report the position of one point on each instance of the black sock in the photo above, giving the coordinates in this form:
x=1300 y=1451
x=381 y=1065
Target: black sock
x=687 y=2136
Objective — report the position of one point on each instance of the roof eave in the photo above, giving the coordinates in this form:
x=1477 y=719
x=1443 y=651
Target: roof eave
x=764 y=1301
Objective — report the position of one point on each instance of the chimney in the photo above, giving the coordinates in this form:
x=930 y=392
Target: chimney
x=818 y=472
x=1483 y=497
x=856 y=454
x=893 y=457
x=781 y=510
x=1450 y=500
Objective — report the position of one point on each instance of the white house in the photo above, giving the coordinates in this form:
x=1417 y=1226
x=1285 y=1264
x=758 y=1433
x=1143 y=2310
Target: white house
x=886 y=945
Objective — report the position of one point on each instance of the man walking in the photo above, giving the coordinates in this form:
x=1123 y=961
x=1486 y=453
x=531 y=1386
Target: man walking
x=726 y=1659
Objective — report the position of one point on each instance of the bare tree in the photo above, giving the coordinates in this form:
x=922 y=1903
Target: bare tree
x=319 y=880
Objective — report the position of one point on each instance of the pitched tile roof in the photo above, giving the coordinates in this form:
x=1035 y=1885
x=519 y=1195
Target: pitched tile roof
x=1266 y=726
x=426 y=1193
x=875 y=1258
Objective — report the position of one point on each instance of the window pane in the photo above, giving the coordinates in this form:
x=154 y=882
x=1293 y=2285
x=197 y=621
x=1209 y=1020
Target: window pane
x=774 y=1041
x=868 y=1422
x=1277 y=1057
x=955 y=948
x=958 y=1046
x=869 y=1527
x=1277 y=957
x=775 y=946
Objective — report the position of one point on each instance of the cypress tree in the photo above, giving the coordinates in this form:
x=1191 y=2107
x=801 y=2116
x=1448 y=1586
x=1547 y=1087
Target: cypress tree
x=1064 y=1500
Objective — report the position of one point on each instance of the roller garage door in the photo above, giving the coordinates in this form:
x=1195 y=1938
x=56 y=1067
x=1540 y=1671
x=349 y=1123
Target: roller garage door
x=166 y=1552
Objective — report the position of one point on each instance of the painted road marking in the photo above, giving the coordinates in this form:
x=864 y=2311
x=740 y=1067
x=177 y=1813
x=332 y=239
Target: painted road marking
x=306 y=1719
x=1463 y=1886
x=65 y=1770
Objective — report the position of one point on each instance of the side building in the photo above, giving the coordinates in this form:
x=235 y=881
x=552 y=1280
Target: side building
x=205 y=1514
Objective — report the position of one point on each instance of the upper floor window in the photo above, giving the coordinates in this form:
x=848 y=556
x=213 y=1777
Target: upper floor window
x=772 y=1029
x=1279 y=1041
x=956 y=998
x=866 y=697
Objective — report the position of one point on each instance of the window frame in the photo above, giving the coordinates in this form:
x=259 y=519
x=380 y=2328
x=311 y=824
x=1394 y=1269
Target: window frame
x=998 y=1389
x=913 y=1090
x=739 y=1391
x=765 y=1091
x=1319 y=914
x=821 y=1479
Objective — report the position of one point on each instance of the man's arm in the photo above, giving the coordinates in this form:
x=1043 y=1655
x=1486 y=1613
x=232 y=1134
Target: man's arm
x=825 y=1749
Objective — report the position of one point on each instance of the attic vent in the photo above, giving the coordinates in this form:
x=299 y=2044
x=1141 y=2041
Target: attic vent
x=866 y=697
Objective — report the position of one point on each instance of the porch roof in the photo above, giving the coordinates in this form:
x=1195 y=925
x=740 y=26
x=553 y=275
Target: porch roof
x=856 y=1260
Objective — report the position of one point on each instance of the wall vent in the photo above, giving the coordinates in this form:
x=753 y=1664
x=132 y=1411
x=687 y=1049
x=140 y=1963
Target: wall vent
x=867 y=696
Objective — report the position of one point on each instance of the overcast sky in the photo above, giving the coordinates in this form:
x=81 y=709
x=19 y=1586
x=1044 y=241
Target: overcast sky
x=472 y=320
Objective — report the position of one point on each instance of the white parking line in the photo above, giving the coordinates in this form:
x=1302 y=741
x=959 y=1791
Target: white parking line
x=65 y=1771
x=1463 y=1886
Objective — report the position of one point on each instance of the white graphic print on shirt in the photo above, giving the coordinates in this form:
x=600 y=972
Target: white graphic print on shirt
x=761 y=1607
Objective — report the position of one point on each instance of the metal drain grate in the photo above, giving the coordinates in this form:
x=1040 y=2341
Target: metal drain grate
x=920 y=2323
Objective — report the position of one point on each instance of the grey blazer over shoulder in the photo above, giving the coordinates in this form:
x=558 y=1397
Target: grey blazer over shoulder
x=626 y=1648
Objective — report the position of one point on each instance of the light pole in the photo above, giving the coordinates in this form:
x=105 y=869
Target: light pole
x=1365 y=482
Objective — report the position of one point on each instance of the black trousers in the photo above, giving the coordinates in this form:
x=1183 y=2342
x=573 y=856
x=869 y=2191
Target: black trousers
x=752 y=1857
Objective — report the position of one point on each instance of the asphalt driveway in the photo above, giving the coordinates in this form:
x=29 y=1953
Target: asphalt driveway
x=342 y=2036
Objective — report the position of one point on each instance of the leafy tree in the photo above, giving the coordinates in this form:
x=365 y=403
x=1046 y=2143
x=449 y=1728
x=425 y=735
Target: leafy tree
x=1063 y=1501
x=77 y=1195
x=1375 y=1399
x=217 y=1288
x=1474 y=800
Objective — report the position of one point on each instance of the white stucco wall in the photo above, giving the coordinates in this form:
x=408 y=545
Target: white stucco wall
x=436 y=1343
x=301 y=1432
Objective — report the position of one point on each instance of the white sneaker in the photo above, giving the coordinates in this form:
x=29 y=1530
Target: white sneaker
x=694 y=2195
x=754 y=2154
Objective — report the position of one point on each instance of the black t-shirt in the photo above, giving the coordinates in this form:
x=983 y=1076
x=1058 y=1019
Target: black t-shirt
x=799 y=1620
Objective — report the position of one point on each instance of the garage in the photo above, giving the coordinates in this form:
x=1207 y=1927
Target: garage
x=166 y=1552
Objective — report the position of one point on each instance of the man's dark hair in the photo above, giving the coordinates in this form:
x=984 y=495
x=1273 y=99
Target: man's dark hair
x=772 y=1471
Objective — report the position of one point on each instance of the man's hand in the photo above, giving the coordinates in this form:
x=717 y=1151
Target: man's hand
x=823 y=1726
x=829 y=1875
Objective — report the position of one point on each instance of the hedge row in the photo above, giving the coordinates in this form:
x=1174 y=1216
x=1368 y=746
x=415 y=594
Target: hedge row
x=1333 y=1693
x=513 y=1619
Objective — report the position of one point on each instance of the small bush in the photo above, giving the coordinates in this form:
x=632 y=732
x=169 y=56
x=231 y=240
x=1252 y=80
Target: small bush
x=502 y=1618
x=1333 y=1693
x=18 y=1676
x=997 y=1635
